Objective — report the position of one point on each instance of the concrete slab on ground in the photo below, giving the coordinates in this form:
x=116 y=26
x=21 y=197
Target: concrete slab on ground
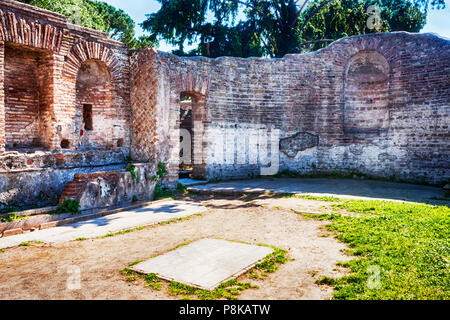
x=341 y=188
x=97 y=227
x=205 y=263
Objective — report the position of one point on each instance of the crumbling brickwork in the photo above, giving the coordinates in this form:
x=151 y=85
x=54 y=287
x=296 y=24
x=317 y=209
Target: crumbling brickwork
x=49 y=70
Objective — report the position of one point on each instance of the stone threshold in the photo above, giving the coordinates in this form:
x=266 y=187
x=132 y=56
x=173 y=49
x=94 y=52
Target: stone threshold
x=45 y=221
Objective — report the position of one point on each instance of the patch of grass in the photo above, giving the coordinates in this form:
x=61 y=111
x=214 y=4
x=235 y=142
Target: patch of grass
x=14 y=217
x=271 y=263
x=80 y=239
x=229 y=290
x=135 y=263
x=407 y=244
x=161 y=193
x=313 y=273
x=326 y=281
x=152 y=281
x=69 y=206
x=113 y=234
x=310 y=197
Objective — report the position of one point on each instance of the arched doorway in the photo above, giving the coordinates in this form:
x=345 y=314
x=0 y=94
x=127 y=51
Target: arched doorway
x=192 y=126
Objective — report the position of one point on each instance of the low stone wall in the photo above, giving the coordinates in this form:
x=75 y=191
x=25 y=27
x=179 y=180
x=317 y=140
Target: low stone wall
x=110 y=189
x=37 y=179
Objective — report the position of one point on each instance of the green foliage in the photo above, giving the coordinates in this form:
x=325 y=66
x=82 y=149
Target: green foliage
x=229 y=290
x=13 y=217
x=409 y=242
x=275 y=27
x=316 y=198
x=161 y=173
x=161 y=193
x=132 y=170
x=272 y=261
x=134 y=199
x=69 y=206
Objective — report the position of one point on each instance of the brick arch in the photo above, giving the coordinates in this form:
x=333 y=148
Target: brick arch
x=192 y=84
x=196 y=86
x=84 y=51
x=16 y=29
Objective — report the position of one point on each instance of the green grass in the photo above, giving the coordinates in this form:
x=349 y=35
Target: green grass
x=408 y=243
x=69 y=206
x=229 y=290
x=163 y=193
x=316 y=198
x=14 y=217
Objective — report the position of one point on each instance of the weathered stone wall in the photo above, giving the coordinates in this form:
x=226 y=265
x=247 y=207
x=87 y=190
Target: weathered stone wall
x=375 y=104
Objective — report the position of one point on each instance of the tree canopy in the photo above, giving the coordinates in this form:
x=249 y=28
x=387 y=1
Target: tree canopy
x=277 y=27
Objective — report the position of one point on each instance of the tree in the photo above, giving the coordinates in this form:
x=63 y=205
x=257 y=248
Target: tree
x=96 y=15
x=277 y=27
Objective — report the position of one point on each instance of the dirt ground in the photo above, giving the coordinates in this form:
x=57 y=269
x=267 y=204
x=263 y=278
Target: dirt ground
x=43 y=272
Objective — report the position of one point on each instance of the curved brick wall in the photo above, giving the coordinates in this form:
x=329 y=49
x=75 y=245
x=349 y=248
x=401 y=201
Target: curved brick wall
x=375 y=104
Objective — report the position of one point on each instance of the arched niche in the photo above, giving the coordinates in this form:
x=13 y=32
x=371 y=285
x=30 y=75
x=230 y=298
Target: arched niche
x=94 y=105
x=366 y=94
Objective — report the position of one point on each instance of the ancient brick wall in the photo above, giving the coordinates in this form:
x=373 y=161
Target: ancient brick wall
x=43 y=139
x=73 y=101
x=375 y=104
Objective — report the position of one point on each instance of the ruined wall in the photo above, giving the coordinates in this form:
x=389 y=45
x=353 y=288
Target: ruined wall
x=375 y=104
x=74 y=102
x=43 y=140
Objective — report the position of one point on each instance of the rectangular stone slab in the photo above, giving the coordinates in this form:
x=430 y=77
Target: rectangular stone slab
x=206 y=263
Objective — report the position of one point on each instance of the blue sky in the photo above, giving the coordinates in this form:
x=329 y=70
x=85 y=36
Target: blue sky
x=438 y=20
